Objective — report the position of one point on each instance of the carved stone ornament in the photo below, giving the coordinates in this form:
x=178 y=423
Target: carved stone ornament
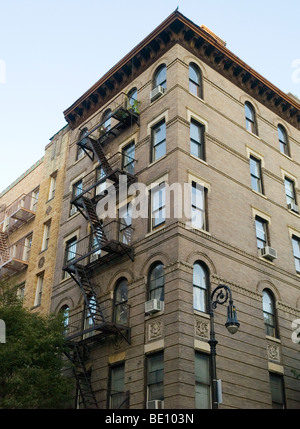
x=41 y=262
x=273 y=352
x=154 y=329
x=202 y=328
x=49 y=208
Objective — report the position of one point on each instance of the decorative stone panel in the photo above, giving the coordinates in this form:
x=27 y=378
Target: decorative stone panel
x=154 y=329
x=202 y=327
x=273 y=352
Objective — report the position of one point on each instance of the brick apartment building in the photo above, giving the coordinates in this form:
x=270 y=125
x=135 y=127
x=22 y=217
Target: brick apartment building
x=182 y=111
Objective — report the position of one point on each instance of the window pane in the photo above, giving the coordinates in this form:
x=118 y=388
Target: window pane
x=277 y=391
x=155 y=376
x=202 y=397
x=156 y=282
x=161 y=77
x=199 y=299
x=202 y=377
x=289 y=191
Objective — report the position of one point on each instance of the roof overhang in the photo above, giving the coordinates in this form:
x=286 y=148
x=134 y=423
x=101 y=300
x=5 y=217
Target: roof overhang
x=202 y=43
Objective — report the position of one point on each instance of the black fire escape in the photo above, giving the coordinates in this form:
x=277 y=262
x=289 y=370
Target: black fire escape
x=108 y=240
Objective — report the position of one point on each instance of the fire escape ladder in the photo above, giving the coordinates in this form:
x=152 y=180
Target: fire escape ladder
x=98 y=151
x=82 y=376
x=90 y=297
x=96 y=225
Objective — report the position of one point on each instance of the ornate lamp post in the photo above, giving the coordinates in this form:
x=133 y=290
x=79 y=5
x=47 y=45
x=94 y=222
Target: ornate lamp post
x=220 y=295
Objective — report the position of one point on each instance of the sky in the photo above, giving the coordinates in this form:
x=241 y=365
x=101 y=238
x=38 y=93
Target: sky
x=52 y=51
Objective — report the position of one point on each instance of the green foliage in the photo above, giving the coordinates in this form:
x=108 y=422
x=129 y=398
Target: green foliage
x=31 y=360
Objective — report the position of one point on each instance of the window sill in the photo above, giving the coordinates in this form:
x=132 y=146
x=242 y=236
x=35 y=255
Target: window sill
x=253 y=135
x=50 y=199
x=198 y=159
x=202 y=314
x=157 y=160
x=266 y=260
x=260 y=194
x=286 y=156
x=157 y=229
x=293 y=213
x=276 y=340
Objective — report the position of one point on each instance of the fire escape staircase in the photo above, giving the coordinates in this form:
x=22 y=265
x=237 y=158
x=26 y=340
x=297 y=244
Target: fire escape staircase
x=87 y=397
x=81 y=272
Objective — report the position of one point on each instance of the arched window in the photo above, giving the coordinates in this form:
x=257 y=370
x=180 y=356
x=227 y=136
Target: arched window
x=120 y=302
x=160 y=77
x=132 y=96
x=65 y=311
x=156 y=282
x=195 y=80
x=82 y=142
x=200 y=287
x=106 y=120
x=269 y=313
x=283 y=140
x=250 y=118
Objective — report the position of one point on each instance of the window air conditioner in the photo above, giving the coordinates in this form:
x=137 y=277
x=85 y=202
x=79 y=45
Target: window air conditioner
x=154 y=405
x=153 y=306
x=293 y=207
x=268 y=253
x=157 y=92
x=73 y=210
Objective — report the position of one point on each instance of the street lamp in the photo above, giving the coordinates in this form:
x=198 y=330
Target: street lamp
x=220 y=295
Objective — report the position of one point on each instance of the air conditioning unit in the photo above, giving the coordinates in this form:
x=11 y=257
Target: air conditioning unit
x=73 y=210
x=293 y=207
x=155 y=405
x=157 y=92
x=153 y=306
x=268 y=253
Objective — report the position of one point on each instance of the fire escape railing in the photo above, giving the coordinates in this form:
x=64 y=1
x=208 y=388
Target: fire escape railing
x=19 y=212
x=108 y=239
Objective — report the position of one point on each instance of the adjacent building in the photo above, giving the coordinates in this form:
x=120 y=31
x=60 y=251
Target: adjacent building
x=178 y=172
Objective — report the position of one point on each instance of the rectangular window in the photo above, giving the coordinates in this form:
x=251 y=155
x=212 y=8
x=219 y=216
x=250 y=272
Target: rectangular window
x=79 y=153
x=158 y=141
x=70 y=252
x=46 y=236
x=277 y=391
x=198 y=213
x=52 y=186
x=296 y=251
x=155 y=377
x=125 y=214
x=128 y=153
x=289 y=186
x=256 y=177
x=158 y=205
x=261 y=226
x=202 y=376
x=197 y=139
x=117 y=396
x=34 y=199
x=21 y=291
x=39 y=290
x=100 y=174
x=27 y=247
x=76 y=191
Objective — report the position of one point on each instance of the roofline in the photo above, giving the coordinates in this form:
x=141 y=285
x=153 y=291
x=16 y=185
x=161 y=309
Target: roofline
x=208 y=38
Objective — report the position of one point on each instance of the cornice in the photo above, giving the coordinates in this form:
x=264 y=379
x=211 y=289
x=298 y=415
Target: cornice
x=179 y=29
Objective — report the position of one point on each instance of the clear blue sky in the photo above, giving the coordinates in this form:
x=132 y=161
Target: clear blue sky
x=52 y=51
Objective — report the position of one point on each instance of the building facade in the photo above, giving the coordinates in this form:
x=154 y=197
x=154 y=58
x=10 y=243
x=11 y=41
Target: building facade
x=29 y=226
x=181 y=174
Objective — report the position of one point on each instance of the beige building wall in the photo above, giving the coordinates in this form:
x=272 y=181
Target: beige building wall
x=228 y=246
x=48 y=176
